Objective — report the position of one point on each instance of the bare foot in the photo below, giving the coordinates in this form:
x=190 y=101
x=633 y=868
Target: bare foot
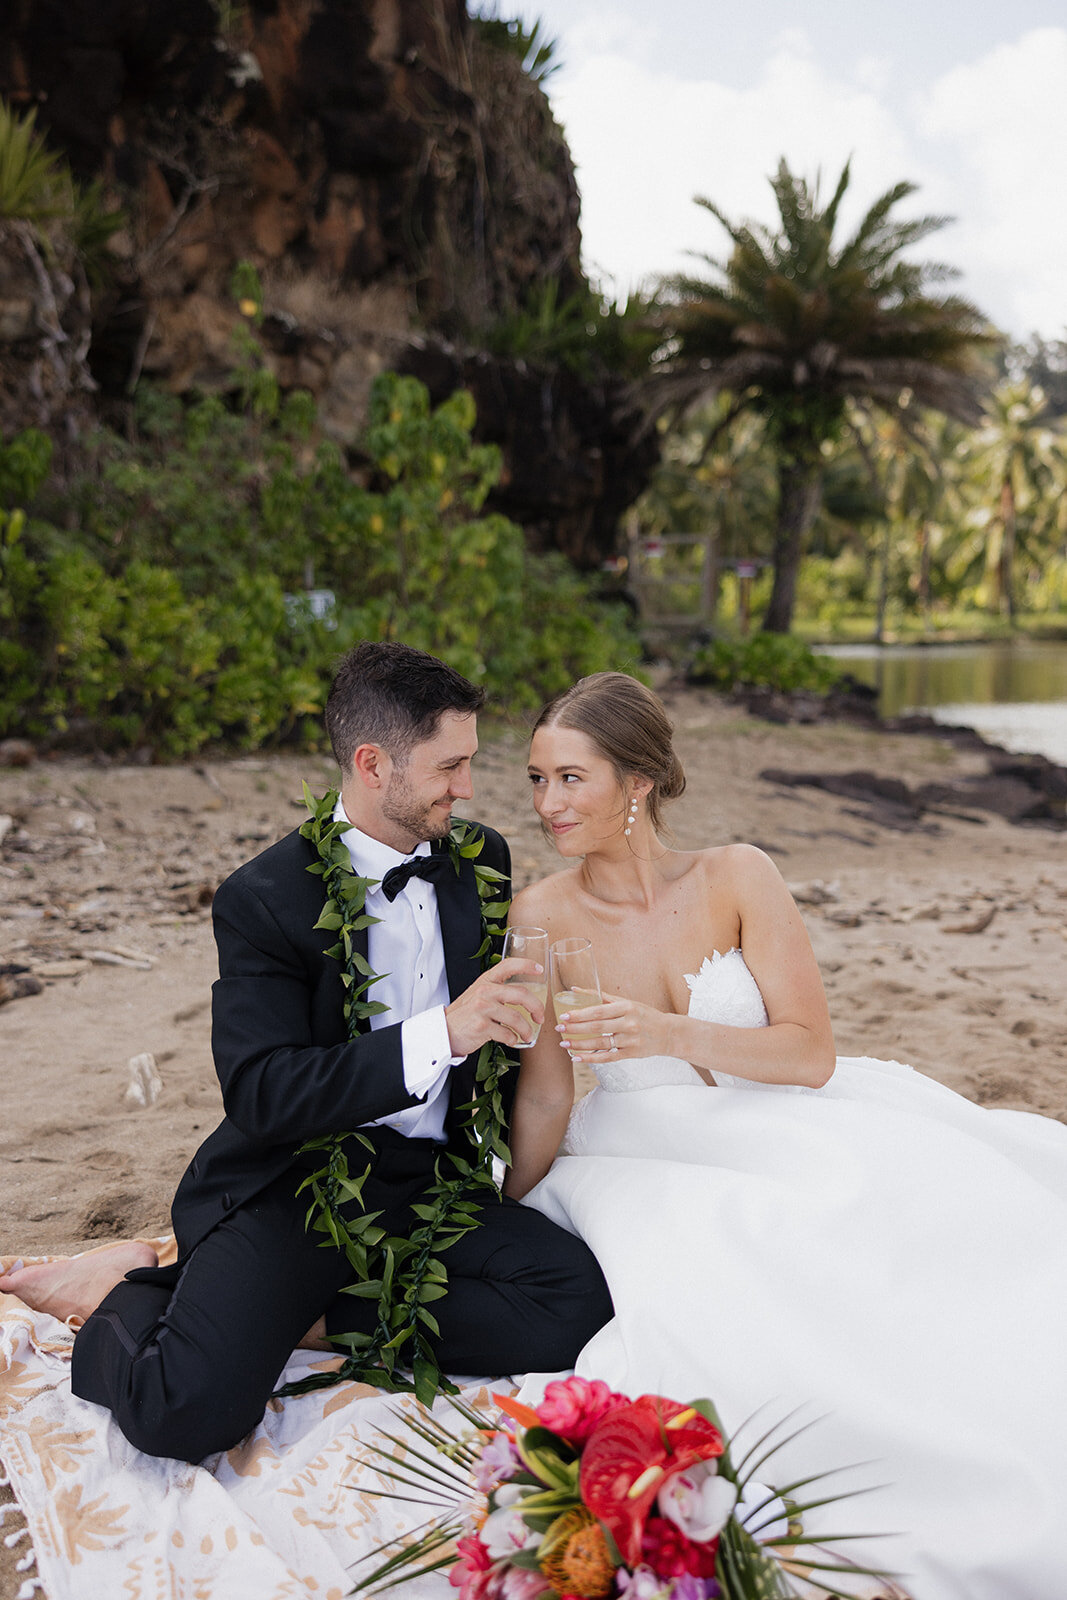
x=74 y=1288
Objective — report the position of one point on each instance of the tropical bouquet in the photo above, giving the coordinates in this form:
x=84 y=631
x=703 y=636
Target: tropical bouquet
x=593 y=1496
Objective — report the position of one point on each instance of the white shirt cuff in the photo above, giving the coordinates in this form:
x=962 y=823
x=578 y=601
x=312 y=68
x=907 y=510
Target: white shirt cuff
x=427 y=1051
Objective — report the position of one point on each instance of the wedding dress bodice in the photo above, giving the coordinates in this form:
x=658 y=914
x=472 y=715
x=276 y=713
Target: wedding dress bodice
x=722 y=991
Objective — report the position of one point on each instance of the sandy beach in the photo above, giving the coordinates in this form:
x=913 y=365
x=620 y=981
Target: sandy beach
x=942 y=944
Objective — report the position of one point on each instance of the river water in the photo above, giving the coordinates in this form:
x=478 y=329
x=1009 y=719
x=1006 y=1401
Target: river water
x=1013 y=691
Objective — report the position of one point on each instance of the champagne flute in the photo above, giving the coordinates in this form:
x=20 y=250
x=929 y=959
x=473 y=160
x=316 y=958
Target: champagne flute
x=532 y=944
x=574 y=978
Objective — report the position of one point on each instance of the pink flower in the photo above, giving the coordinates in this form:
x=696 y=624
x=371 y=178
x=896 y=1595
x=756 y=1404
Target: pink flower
x=473 y=1573
x=572 y=1407
x=499 y=1459
x=519 y=1583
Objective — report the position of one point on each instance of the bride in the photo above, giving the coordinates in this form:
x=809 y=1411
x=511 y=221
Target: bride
x=852 y=1239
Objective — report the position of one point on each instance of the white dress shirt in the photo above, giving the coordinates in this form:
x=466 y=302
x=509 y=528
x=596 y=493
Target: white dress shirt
x=407 y=949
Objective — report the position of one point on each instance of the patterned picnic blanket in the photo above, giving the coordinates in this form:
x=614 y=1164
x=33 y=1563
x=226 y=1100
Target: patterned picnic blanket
x=284 y=1516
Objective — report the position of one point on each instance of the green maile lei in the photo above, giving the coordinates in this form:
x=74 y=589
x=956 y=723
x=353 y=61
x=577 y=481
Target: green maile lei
x=403 y=1275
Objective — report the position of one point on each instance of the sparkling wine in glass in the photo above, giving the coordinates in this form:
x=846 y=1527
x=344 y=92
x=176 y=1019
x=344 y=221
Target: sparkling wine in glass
x=532 y=945
x=574 y=978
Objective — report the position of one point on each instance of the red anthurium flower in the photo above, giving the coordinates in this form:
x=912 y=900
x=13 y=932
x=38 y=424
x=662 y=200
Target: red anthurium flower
x=629 y=1456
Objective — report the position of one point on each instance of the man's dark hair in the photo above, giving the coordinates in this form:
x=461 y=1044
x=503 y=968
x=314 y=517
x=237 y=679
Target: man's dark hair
x=393 y=696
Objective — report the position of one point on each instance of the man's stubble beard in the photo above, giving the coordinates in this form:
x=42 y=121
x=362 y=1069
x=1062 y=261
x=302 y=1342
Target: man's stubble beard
x=399 y=805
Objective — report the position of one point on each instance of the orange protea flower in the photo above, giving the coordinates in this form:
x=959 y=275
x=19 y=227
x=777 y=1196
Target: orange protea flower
x=578 y=1562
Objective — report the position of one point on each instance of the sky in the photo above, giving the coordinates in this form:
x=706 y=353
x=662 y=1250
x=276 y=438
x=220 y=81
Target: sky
x=662 y=100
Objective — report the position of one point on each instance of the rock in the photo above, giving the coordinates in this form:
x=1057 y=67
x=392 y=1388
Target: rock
x=976 y=924
x=17 y=984
x=195 y=896
x=815 y=893
x=61 y=969
x=145 y=1085
x=1013 y=798
x=137 y=956
x=395 y=178
x=1022 y=790
x=849 y=785
x=16 y=753
x=1037 y=771
x=927 y=913
x=6 y=824
x=115 y=958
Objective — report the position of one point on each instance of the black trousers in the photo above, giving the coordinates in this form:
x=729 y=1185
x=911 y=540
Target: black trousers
x=186 y=1357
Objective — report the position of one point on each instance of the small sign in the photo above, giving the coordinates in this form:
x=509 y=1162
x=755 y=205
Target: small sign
x=319 y=604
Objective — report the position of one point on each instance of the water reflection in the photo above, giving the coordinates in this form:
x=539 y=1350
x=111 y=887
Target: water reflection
x=1013 y=692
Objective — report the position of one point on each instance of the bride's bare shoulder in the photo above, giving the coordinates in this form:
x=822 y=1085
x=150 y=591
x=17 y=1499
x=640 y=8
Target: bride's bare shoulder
x=736 y=862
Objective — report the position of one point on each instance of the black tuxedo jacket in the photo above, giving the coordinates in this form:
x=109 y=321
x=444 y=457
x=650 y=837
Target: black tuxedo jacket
x=287 y=1068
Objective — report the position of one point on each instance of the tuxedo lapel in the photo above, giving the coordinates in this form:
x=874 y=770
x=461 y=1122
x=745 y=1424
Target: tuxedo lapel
x=461 y=933
x=461 y=927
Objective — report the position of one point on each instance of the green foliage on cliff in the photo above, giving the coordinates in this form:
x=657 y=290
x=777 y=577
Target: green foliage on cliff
x=164 y=600
x=593 y=337
x=38 y=188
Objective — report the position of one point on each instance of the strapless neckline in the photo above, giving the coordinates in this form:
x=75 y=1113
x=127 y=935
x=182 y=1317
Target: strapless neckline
x=722 y=990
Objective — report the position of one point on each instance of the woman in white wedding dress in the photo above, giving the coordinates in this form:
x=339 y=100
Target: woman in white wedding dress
x=852 y=1239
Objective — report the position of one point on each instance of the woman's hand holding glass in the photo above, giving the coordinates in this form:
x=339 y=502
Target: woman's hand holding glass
x=614 y=1029
x=593 y=1026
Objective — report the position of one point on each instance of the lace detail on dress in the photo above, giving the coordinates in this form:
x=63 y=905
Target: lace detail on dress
x=725 y=991
x=645 y=1072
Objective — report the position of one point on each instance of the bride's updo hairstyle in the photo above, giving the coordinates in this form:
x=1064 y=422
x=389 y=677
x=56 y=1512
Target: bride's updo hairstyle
x=628 y=726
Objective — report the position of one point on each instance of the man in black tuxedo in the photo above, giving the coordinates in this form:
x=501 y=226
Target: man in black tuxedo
x=187 y=1356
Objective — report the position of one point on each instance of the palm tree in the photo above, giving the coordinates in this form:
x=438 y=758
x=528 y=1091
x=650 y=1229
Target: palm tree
x=792 y=327
x=905 y=456
x=1025 y=466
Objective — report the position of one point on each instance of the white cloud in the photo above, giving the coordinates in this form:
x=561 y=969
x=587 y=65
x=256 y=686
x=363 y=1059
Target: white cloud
x=645 y=142
x=1003 y=115
x=986 y=143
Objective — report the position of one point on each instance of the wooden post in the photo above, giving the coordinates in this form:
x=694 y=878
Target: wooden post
x=746 y=571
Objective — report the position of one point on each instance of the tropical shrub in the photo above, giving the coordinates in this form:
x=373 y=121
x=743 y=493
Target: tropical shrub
x=164 y=601
x=766 y=660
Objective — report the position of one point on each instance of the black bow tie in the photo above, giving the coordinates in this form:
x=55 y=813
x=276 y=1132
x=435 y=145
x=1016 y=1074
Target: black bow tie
x=430 y=867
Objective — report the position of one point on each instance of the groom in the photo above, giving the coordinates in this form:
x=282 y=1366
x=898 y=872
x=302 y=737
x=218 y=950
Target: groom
x=187 y=1356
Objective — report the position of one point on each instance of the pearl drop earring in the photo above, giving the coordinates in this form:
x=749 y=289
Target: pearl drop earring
x=631 y=819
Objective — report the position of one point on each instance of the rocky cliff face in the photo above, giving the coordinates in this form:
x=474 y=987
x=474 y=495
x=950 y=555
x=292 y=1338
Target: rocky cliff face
x=397 y=183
